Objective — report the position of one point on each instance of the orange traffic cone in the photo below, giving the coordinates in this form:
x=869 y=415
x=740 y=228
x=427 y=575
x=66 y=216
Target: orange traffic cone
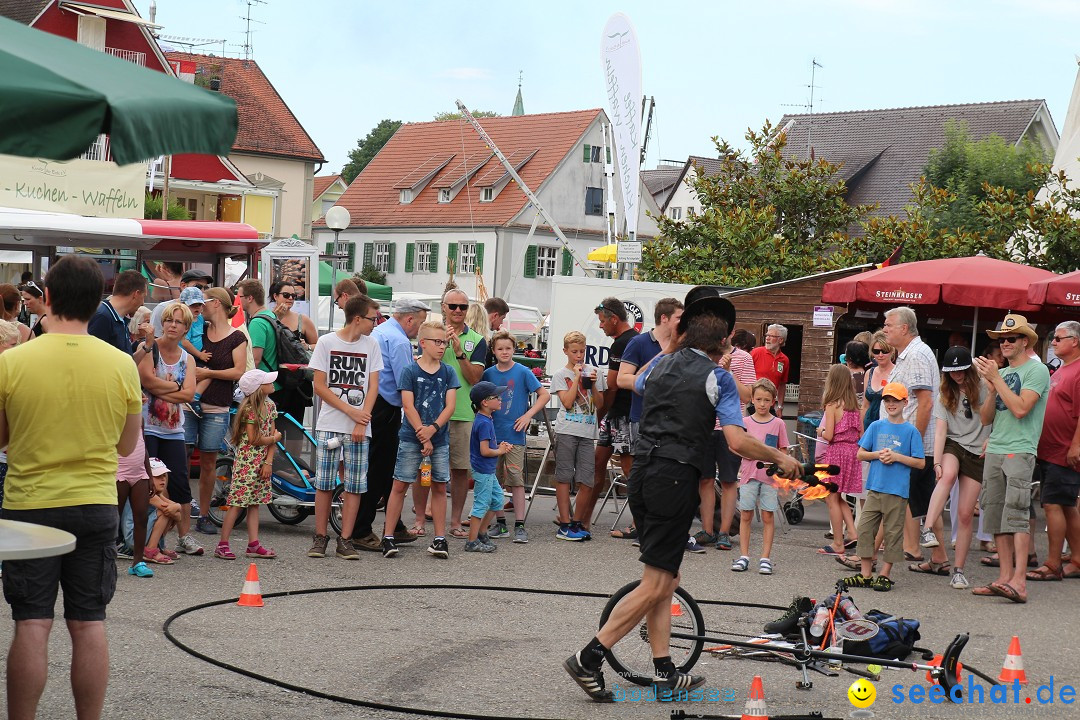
x=1013 y=669
x=755 y=704
x=676 y=607
x=251 y=595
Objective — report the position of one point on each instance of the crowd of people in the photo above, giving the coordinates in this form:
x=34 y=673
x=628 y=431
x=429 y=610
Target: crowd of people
x=142 y=391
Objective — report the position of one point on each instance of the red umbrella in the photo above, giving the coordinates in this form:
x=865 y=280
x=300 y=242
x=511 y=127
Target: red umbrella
x=1058 y=290
x=975 y=282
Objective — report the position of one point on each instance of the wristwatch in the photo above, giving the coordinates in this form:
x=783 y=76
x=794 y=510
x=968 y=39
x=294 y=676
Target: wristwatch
x=461 y=356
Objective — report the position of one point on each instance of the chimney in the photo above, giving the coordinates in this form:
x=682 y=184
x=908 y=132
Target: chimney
x=153 y=10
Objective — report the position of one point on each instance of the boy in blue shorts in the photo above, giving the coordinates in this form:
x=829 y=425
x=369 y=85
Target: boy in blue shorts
x=484 y=450
x=511 y=421
x=428 y=398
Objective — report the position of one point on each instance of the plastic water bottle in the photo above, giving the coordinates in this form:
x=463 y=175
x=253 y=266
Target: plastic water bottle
x=425 y=472
x=334 y=443
x=848 y=610
x=836 y=663
x=817 y=628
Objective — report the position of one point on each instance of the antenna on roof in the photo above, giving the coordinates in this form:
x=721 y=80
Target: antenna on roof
x=191 y=43
x=808 y=105
x=247 y=32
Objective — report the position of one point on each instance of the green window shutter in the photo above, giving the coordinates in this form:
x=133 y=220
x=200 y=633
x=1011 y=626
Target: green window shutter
x=588 y=153
x=393 y=257
x=350 y=261
x=410 y=249
x=480 y=258
x=369 y=254
x=330 y=250
x=529 y=270
x=451 y=258
x=567 y=263
x=433 y=262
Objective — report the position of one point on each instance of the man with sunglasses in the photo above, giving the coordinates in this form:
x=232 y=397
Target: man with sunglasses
x=1016 y=405
x=1059 y=457
x=193 y=277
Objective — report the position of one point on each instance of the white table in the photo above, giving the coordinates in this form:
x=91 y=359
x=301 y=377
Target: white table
x=26 y=541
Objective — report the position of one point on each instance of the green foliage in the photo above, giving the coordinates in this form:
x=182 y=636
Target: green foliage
x=152 y=209
x=764 y=218
x=1045 y=232
x=371 y=275
x=444 y=116
x=367 y=148
x=966 y=168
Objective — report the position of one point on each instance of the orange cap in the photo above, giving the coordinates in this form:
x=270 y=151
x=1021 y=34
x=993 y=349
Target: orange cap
x=894 y=390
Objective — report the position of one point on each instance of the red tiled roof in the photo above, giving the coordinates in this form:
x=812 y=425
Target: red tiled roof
x=267 y=125
x=322 y=182
x=373 y=201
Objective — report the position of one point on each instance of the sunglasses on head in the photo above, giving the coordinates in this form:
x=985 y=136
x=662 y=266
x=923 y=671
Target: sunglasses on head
x=288 y=296
x=31 y=287
x=1010 y=338
x=457 y=306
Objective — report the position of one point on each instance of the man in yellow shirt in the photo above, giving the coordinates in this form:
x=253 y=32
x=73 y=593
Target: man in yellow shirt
x=89 y=391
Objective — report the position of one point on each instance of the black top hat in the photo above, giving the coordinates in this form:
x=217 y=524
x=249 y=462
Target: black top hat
x=706 y=300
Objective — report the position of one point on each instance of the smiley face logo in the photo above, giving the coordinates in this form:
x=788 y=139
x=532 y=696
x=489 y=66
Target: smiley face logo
x=862 y=693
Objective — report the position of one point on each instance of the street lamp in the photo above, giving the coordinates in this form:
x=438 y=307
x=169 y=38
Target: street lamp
x=337 y=219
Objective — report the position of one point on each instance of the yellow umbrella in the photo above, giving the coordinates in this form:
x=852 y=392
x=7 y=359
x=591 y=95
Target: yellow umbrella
x=605 y=254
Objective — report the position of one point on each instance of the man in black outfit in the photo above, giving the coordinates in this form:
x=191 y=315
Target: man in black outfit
x=685 y=393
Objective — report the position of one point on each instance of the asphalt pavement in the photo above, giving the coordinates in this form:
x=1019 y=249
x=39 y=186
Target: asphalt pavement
x=499 y=654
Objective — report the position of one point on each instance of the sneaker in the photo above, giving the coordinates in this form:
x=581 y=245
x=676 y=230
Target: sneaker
x=318 y=546
x=858 y=581
x=345 y=549
x=370 y=542
x=704 y=538
x=124 y=552
x=881 y=584
x=439 y=548
x=520 y=536
x=222 y=551
x=141 y=569
x=498 y=530
x=928 y=539
x=591 y=681
x=635 y=543
x=577 y=527
x=403 y=535
x=187 y=545
x=389 y=547
x=205 y=526
x=484 y=538
x=786 y=623
x=569 y=533
x=195 y=512
x=478 y=546
x=723 y=542
x=693 y=547
x=677 y=681
x=959 y=580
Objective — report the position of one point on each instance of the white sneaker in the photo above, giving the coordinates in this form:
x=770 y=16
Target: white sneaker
x=959 y=581
x=928 y=539
x=188 y=546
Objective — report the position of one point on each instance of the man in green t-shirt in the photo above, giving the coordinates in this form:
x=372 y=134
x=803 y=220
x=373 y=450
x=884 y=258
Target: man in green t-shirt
x=1015 y=405
x=262 y=327
x=466 y=353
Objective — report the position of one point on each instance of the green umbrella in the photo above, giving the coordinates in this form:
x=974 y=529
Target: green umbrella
x=57 y=96
x=326 y=284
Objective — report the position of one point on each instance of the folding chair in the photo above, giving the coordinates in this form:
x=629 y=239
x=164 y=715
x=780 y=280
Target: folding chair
x=549 y=452
x=615 y=481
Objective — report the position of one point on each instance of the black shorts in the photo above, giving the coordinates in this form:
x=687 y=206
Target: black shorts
x=87 y=574
x=922 y=487
x=1060 y=485
x=727 y=462
x=663 y=499
x=172 y=452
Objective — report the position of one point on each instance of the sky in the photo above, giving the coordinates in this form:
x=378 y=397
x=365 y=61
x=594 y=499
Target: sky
x=715 y=68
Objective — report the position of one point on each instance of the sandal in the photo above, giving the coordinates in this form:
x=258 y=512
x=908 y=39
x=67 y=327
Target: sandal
x=140 y=570
x=987 y=546
x=627 y=533
x=1070 y=574
x=155 y=556
x=851 y=544
x=909 y=557
x=1045 y=573
x=1008 y=592
x=258 y=550
x=983 y=591
x=853 y=562
x=931 y=568
x=459 y=533
x=740 y=564
x=994 y=561
x=171 y=554
x=418 y=530
x=224 y=552
x=827 y=550
x=764 y=566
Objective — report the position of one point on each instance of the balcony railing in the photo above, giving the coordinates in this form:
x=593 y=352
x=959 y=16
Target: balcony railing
x=99 y=150
x=139 y=58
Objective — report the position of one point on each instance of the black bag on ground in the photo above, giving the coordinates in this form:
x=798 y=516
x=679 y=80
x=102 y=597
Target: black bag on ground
x=291 y=351
x=895 y=640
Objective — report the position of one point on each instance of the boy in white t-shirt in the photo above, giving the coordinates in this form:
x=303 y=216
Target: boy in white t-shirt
x=756 y=488
x=346 y=365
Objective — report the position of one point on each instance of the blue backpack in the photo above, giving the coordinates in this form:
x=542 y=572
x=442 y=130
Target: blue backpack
x=895 y=640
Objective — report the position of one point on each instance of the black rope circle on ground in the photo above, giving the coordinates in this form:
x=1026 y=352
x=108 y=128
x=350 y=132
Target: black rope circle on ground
x=386 y=706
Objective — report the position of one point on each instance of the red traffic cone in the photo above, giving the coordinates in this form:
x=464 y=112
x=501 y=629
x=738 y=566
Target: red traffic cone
x=676 y=607
x=251 y=594
x=755 y=703
x=1013 y=669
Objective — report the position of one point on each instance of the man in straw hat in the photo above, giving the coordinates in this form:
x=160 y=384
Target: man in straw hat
x=685 y=394
x=1015 y=404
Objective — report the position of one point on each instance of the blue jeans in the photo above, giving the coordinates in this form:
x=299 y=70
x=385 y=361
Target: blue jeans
x=409 y=458
x=127 y=525
x=209 y=430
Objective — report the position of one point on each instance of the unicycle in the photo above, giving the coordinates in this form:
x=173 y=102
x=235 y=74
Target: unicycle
x=632 y=656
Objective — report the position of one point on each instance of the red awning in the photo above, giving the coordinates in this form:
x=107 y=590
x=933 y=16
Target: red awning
x=972 y=282
x=1059 y=290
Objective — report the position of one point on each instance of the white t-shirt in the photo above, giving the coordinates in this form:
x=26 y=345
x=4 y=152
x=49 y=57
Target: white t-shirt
x=348 y=367
x=580 y=419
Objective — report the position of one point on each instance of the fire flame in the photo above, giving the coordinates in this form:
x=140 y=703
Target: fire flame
x=806 y=491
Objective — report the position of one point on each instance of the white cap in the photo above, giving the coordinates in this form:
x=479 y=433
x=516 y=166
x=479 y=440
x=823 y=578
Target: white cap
x=157 y=467
x=252 y=380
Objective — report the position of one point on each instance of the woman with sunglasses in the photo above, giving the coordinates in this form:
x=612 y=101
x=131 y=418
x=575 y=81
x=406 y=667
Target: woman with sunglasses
x=34 y=299
x=283 y=293
x=959 y=439
x=877 y=377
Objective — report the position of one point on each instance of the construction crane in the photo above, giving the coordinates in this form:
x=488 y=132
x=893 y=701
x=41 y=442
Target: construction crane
x=524 y=188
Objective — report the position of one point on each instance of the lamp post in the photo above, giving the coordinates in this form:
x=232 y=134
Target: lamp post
x=337 y=219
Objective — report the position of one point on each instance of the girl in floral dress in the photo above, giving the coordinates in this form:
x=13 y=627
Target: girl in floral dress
x=255 y=439
x=841 y=427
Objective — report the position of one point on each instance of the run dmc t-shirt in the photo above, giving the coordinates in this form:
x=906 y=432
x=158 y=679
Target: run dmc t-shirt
x=348 y=367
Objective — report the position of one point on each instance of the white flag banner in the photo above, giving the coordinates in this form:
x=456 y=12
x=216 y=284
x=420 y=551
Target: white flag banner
x=622 y=75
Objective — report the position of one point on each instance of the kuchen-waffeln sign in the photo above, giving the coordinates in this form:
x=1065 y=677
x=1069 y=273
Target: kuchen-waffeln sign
x=79 y=187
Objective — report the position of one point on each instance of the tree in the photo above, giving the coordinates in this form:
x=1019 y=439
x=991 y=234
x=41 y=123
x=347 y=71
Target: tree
x=367 y=148
x=444 y=116
x=152 y=208
x=370 y=274
x=1045 y=231
x=764 y=218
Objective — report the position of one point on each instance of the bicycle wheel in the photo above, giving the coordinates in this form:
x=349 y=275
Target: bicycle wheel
x=287 y=514
x=335 y=508
x=218 y=505
x=631 y=657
